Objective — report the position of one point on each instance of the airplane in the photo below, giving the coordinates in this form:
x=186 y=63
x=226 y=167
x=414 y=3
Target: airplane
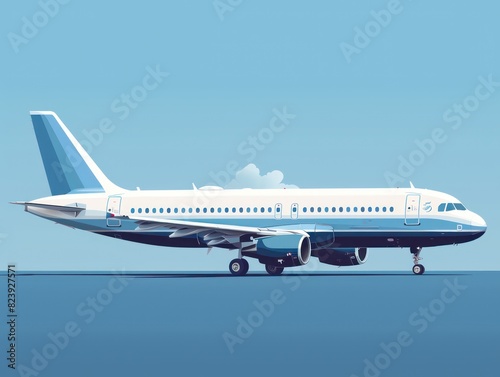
x=280 y=228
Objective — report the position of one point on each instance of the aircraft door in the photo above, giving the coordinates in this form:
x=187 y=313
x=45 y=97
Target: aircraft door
x=278 y=211
x=412 y=209
x=113 y=209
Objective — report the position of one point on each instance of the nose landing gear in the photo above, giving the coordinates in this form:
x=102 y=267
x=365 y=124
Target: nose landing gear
x=418 y=269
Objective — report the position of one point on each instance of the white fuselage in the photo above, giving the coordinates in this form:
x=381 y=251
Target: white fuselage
x=359 y=217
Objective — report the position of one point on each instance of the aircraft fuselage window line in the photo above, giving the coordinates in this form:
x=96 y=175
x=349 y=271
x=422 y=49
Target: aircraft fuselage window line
x=249 y=210
x=198 y=210
x=279 y=228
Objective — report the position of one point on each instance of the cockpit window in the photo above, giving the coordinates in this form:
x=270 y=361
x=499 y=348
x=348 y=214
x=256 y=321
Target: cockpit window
x=451 y=207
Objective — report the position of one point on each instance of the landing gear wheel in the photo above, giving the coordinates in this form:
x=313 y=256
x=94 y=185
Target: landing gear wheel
x=238 y=267
x=418 y=269
x=274 y=270
x=245 y=266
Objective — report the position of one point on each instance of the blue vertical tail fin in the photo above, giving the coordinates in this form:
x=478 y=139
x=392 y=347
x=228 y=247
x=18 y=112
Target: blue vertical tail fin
x=68 y=166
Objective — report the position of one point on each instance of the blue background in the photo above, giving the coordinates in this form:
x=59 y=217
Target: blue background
x=227 y=73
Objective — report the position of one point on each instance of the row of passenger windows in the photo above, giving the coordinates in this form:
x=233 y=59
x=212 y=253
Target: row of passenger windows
x=347 y=209
x=262 y=210
x=451 y=207
x=202 y=210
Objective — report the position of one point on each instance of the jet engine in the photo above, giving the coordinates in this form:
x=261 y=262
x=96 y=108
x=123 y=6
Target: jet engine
x=284 y=251
x=342 y=256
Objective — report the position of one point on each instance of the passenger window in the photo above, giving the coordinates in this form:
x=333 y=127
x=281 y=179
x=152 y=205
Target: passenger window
x=333 y=209
x=132 y=210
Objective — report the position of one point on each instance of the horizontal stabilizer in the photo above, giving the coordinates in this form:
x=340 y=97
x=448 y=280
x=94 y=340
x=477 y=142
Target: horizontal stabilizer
x=76 y=208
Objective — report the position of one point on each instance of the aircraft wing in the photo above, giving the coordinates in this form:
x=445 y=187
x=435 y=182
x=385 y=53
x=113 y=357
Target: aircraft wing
x=221 y=235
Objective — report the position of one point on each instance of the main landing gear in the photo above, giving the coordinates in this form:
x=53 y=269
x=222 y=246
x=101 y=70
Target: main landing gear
x=418 y=269
x=239 y=266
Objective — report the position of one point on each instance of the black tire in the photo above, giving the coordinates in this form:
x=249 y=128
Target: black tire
x=238 y=267
x=274 y=270
x=418 y=269
x=245 y=266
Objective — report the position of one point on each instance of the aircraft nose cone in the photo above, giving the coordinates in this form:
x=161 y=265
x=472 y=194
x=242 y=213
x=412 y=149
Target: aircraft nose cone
x=478 y=223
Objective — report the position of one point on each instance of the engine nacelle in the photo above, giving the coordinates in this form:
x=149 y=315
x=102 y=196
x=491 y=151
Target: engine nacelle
x=342 y=256
x=284 y=251
x=320 y=235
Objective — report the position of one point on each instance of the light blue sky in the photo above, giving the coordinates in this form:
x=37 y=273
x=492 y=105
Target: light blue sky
x=227 y=74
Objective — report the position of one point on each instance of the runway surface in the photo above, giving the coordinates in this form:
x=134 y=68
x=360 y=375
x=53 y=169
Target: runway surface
x=322 y=324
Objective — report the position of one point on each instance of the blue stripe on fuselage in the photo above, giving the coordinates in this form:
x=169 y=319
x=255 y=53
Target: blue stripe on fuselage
x=349 y=232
